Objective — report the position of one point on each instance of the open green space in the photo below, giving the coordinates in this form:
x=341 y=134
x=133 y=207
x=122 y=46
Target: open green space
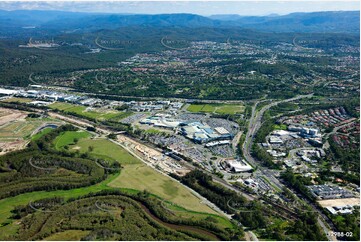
x=18 y=99
x=104 y=149
x=41 y=133
x=92 y=114
x=185 y=213
x=68 y=137
x=136 y=175
x=216 y=108
x=279 y=127
x=153 y=131
x=142 y=177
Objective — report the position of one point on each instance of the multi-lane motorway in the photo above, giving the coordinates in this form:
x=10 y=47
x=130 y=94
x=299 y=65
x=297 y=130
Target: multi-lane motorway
x=253 y=126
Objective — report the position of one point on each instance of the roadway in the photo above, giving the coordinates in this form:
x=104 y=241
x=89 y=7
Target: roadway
x=253 y=127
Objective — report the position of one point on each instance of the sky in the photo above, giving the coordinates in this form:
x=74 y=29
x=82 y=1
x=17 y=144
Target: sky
x=206 y=8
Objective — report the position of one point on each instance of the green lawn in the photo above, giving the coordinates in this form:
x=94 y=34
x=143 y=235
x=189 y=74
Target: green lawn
x=41 y=133
x=18 y=99
x=105 y=149
x=216 y=108
x=67 y=138
x=141 y=177
x=280 y=127
x=136 y=175
x=93 y=114
x=153 y=131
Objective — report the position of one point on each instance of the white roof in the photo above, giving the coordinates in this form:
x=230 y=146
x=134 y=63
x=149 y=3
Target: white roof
x=281 y=132
x=221 y=130
x=7 y=91
x=238 y=166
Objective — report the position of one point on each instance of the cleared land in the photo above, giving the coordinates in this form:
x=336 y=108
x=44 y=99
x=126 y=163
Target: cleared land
x=339 y=202
x=16 y=129
x=216 y=108
x=90 y=113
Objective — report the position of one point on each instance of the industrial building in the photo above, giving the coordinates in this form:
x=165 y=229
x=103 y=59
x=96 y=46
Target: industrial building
x=348 y=209
x=329 y=192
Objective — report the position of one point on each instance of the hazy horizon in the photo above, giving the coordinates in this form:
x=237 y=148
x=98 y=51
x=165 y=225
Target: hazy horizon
x=205 y=8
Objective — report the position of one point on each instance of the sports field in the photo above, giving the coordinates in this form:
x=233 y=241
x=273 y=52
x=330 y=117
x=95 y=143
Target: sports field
x=216 y=108
x=93 y=113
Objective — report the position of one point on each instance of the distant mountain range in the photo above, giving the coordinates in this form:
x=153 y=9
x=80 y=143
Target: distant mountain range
x=316 y=22
x=341 y=21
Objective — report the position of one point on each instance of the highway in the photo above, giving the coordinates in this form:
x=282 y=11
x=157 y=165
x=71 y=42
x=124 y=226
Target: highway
x=253 y=127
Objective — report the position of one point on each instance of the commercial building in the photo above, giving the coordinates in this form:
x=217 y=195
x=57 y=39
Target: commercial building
x=329 y=192
x=348 y=209
x=238 y=166
x=203 y=133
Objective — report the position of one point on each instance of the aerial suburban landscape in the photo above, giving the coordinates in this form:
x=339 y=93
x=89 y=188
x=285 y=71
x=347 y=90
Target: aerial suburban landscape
x=179 y=121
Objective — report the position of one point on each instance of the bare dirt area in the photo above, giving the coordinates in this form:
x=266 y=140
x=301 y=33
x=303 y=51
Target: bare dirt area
x=339 y=202
x=8 y=115
x=11 y=146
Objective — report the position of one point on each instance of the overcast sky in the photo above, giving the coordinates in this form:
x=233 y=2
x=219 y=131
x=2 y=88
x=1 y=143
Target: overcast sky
x=196 y=7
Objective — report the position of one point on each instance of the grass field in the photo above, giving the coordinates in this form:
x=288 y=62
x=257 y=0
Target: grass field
x=41 y=133
x=216 y=108
x=18 y=99
x=136 y=175
x=141 y=177
x=184 y=213
x=280 y=127
x=67 y=138
x=105 y=149
x=153 y=131
x=93 y=114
